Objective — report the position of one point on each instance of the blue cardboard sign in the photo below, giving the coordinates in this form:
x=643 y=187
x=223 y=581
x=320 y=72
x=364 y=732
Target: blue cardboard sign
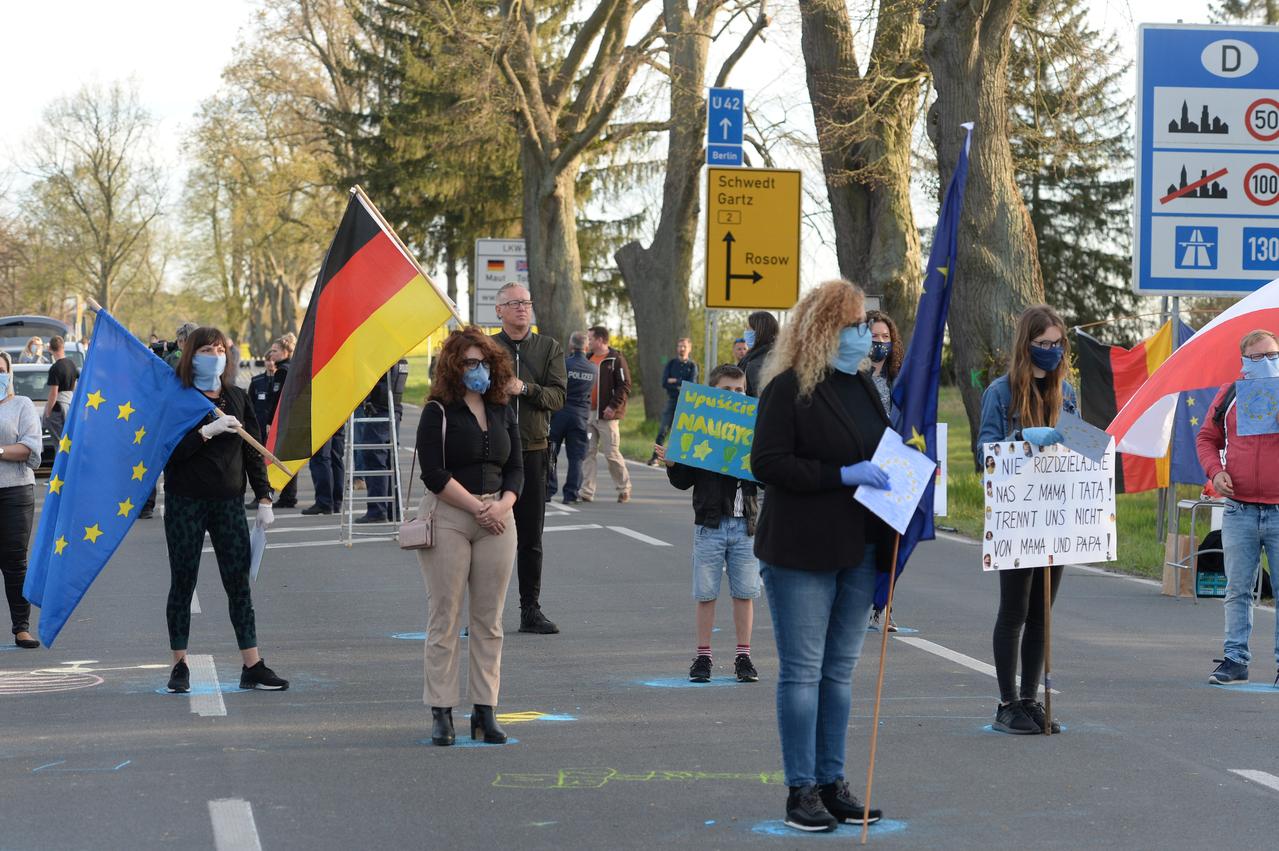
x=713 y=430
x=1257 y=406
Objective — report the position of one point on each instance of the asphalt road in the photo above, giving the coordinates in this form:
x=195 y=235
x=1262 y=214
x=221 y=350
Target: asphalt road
x=614 y=749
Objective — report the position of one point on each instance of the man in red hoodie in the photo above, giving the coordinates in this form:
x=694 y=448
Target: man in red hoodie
x=1245 y=470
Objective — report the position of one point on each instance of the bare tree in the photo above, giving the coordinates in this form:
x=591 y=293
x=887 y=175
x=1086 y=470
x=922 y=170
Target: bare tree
x=864 y=125
x=99 y=189
x=966 y=44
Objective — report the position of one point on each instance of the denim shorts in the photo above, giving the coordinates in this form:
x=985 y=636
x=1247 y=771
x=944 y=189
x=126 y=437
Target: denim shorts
x=730 y=546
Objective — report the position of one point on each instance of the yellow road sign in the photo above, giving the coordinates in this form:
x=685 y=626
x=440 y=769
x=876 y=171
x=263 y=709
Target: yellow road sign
x=752 y=238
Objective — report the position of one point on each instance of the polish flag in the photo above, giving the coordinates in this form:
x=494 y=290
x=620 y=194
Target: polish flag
x=1210 y=357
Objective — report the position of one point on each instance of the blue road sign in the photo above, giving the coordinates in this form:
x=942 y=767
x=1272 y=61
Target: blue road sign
x=725 y=120
x=723 y=154
x=1206 y=192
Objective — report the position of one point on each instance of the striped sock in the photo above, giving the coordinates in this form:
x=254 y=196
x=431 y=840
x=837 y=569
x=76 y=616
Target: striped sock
x=744 y=650
x=704 y=651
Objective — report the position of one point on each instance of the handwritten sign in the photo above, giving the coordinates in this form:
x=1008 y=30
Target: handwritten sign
x=1257 y=406
x=713 y=430
x=1047 y=506
x=1084 y=438
x=909 y=472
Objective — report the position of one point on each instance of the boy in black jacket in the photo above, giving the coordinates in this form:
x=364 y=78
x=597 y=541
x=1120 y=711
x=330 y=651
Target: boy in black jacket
x=724 y=511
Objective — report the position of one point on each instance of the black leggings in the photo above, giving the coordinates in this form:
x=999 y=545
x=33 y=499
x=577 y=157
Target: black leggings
x=17 y=508
x=1021 y=604
x=185 y=522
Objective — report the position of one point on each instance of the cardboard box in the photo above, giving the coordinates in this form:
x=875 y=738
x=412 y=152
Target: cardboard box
x=1178 y=581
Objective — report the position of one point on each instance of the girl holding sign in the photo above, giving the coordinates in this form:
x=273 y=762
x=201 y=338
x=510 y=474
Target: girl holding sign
x=1023 y=405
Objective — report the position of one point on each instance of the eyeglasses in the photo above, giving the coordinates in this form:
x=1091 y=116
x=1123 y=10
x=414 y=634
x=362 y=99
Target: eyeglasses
x=1046 y=344
x=472 y=363
x=517 y=303
x=1258 y=358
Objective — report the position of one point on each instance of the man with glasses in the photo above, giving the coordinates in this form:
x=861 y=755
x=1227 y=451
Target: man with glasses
x=536 y=391
x=1245 y=470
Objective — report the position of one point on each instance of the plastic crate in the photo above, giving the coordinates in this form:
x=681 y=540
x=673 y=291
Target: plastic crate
x=1210 y=585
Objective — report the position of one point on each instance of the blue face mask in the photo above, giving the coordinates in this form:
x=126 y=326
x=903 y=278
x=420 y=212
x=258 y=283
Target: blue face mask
x=477 y=378
x=208 y=371
x=879 y=352
x=749 y=337
x=854 y=343
x=4 y=384
x=1260 y=369
x=1045 y=359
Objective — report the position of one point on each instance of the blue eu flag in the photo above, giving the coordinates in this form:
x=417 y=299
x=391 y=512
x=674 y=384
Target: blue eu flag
x=1192 y=407
x=915 y=391
x=128 y=413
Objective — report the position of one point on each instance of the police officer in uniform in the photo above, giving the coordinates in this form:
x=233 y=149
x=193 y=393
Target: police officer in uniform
x=568 y=424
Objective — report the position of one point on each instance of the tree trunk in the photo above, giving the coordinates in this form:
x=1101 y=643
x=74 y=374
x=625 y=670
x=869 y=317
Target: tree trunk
x=450 y=270
x=967 y=46
x=657 y=277
x=864 y=134
x=554 y=263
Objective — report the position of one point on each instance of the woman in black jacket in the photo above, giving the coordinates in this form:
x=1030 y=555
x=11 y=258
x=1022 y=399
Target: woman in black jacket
x=204 y=485
x=819 y=550
x=761 y=333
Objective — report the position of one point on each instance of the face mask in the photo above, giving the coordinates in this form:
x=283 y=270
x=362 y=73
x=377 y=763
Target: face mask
x=854 y=343
x=1045 y=359
x=879 y=352
x=477 y=378
x=1260 y=369
x=749 y=337
x=4 y=384
x=208 y=371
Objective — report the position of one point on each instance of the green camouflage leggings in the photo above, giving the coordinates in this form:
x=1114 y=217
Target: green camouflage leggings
x=185 y=522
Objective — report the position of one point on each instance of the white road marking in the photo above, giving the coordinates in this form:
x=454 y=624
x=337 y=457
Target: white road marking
x=1265 y=778
x=631 y=533
x=195 y=603
x=571 y=528
x=233 y=826
x=206 y=694
x=954 y=656
x=293 y=545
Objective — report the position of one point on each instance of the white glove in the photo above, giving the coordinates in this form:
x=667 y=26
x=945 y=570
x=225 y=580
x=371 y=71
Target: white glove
x=265 y=516
x=221 y=425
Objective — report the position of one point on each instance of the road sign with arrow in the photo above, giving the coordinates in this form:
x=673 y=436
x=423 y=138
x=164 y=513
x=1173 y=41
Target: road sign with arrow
x=752 y=238
x=725 y=120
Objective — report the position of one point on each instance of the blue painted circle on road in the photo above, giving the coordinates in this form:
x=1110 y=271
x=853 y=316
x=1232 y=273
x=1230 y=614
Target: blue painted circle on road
x=409 y=636
x=222 y=688
x=776 y=827
x=990 y=728
x=901 y=630
x=467 y=742
x=685 y=682
x=1252 y=688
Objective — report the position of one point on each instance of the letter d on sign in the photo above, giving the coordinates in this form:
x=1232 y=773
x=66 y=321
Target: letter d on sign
x=1229 y=57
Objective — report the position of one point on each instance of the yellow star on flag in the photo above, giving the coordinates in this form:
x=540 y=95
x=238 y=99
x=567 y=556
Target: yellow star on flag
x=64 y=445
x=139 y=471
x=125 y=507
x=702 y=450
x=91 y=533
x=1190 y=401
x=917 y=440
x=95 y=399
x=138 y=435
x=1194 y=421
x=55 y=485
x=59 y=545
x=125 y=410
x=945 y=271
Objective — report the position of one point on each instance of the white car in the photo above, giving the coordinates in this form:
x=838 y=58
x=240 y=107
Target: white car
x=32 y=380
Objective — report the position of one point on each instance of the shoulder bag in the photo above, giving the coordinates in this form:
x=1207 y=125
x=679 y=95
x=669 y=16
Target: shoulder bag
x=419 y=533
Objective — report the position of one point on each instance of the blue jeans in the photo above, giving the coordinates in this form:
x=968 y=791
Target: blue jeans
x=714 y=550
x=1245 y=529
x=819 y=624
x=668 y=417
x=375 y=459
x=327 y=468
x=568 y=429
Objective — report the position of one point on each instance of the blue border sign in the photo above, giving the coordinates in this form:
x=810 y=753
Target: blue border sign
x=725 y=126
x=1206 y=192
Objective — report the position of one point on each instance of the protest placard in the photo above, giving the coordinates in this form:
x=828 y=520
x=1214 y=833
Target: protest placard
x=909 y=472
x=713 y=430
x=943 y=470
x=1047 y=506
x=1257 y=406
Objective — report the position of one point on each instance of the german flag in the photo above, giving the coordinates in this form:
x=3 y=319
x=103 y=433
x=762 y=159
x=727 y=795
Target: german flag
x=371 y=305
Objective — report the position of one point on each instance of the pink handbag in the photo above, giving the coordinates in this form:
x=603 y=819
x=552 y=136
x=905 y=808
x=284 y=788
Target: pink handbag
x=419 y=533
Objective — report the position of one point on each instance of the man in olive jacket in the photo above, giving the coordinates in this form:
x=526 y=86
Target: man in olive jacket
x=537 y=391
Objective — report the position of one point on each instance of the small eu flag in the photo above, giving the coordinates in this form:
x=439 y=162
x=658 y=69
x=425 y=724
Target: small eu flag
x=128 y=413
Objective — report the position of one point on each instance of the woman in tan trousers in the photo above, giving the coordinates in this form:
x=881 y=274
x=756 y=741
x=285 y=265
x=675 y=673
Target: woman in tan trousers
x=468 y=443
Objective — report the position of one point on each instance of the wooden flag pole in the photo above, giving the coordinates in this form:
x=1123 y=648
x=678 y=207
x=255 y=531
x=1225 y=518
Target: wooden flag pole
x=879 y=685
x=248 y=438
x=1048 y=646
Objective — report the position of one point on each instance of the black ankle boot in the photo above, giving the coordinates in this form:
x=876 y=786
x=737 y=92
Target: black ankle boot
x=482 y=718
x=442 y=726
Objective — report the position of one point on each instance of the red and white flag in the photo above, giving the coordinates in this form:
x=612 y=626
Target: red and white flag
x=1210 y=357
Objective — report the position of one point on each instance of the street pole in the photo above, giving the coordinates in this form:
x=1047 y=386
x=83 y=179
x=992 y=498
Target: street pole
x=1170 y=512
x=1161 y=507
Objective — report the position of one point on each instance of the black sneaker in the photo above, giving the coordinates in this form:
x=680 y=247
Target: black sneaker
x=841 y=804
x=700 y=671
x=1229 y=673
x=1012 y=718
x=260 y=676
x=1035 y=710
x=180 y=679
x=316 y=509
x=745 y=671
x=571 y=500
x=805 y=811
x=371 y=518
x=532 y=620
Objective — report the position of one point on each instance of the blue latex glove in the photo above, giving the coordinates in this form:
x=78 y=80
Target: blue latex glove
x=864 y=473
x=1042 y=435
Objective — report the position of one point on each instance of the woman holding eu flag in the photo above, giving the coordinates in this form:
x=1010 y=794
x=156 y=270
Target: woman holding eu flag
x=204 y=485
x=20 y=448
x=1024 y=405
x=820 y=420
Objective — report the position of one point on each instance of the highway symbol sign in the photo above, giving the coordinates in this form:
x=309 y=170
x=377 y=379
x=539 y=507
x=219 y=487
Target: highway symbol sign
x=497 y=262
x=1206 y=193
x=725 y=126
x=752 y=238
